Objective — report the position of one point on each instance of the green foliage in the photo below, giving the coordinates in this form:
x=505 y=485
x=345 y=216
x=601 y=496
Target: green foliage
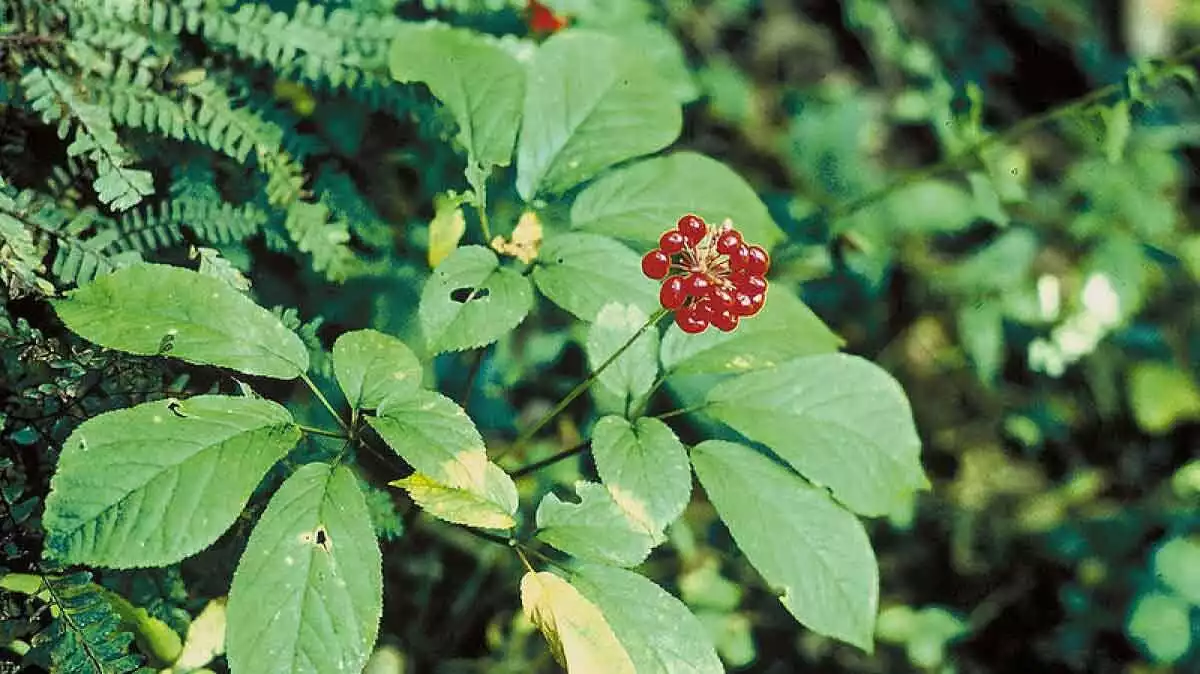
x=632 y=374
x=583 y=272
x=471 y=300
x=596 y=528
x=85 y=636
x=371 y=366
x=645 y=468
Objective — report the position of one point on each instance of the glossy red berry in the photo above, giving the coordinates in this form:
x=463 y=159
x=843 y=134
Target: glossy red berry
x=671 y=242
x=721 y=298
x=724 y=320
x=672 y=293
x=728 y=241
x=753 y=285
x=689 y=322
x=739 y=257
x=756 y=303
x=542 y=19
x=692 y=227
x=697 y=285
x=656 y=264
x=759 y=262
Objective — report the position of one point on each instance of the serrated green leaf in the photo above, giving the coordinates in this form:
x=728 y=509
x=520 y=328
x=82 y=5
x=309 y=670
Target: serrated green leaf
x=158 y=482
x=435 y=436
x=478 y=80
x=840 y=420
x=590 y=102
x=595 y=528
x=471 y=301
x=152 y=309
x=370 y=366
x=658 y=632
x=494 y=508
x=583 y=272
x=308 y=591
x=633 y=372
x=1177 y=565
x=644 y=467
x=578 y=635
x=637 y=203
x=1161 y=625
x=785 y=329
x=811 y=550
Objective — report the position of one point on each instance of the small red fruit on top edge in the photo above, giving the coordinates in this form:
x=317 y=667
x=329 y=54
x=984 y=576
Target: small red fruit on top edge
x=542 y=20
x=672 y=294
x=656 y=264
x=739 y=257
x=671 y=242
x=728 y=241
x=759 y=262
x=692 y=227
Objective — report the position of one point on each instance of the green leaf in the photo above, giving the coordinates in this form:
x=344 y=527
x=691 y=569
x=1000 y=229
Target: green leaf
x=1162 y=396
x=370 y=366
x=644 y=467
x=583 y=272
x=1177 y=564
x=840 y=420
x=308 y=592
x=931 y=207
x=596 y=528
x=785 y=329
x=151 y=309
x=471 y=301
x=478 y=80
x=435 y=436
x=590 y=102
x=658 y=632
x=494 y=508
x=578 y=635
x=637 y=203
x=1161 y=625
x=158 y=482
x=811 y=550
x=981 y=330
x=633 y=372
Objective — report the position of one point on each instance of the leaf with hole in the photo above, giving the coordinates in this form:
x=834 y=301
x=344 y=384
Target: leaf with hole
x=590 y=102
x=370 y=366
x=154 y=309
x=583 y=272
x=840 y=420
x=308 y=591
x=813 y=552
x=471 y=301
x=152 y=484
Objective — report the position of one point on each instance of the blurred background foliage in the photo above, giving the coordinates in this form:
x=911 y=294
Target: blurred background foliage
x=1020 y=252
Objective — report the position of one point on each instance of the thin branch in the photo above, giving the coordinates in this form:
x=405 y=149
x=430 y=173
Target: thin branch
x=324 y=401
x=321 y=431
x=549 y=461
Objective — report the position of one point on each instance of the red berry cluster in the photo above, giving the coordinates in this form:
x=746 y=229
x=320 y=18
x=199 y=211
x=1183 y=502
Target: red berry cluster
x=721 y=279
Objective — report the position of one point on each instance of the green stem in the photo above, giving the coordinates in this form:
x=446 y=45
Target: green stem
x=549 y=461
x=583 y=386
x=324 y=401
x=640 y=408
x=1013 y=132
x=321 y=431
x=681 y=411
x=481 y=208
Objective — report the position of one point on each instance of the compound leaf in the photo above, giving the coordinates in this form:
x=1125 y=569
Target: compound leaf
x=154 y=309
x=308 y=591
x=658 y=632
x=583 y=272
x=370 y=366
x=590 y=102
x=638 y=202
x=155 y=483
x=811 y=550
x=470 y=300
x=840 y=420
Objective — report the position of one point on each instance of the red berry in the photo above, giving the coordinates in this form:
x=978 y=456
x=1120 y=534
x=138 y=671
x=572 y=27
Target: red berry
x=759 y=261
x=756 y=303
x=725 y=320
x=656 y=264
x=689 y=322
x=697 y=285
x=728 y=241
x=753 y=285
x=739 y=257
x=692 y=227
x=743 y=304
x=672 y=294
x=721 y=298
x=671 y=242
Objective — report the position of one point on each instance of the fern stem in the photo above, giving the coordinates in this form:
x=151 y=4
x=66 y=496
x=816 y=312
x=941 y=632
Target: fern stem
x=324 y=401
x=583 y=386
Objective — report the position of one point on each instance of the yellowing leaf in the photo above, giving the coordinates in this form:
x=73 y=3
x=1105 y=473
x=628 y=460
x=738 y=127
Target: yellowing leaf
x=1162 y=396
x=492 y=507
x=526 y=239
x=579 y=636
x=205 y=638
x=446 y=229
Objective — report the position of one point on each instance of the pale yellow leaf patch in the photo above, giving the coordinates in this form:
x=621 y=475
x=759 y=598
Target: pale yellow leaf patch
x=446 y=229
x=456 y=505
x=636 y=510
x=526 y=239
x=205 y=638
x=579 y=636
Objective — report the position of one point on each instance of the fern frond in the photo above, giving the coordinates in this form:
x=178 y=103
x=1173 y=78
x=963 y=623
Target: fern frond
x=210 y=220
x=86 y=635
x=53 y=97
x=20 y=259
x=309 y=226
